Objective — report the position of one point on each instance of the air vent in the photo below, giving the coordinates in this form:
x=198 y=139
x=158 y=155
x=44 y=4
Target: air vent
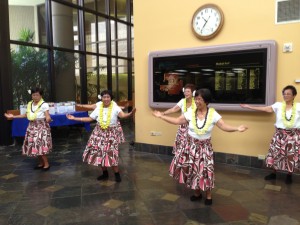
x=287 y=11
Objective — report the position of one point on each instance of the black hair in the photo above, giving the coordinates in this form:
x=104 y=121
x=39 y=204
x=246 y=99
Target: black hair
x=205 y=94
x=107 y=92
x=190 y=86
x=37 y=90
x=290 y=87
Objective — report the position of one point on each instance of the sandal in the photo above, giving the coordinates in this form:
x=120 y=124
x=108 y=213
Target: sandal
x=196 y=198
x=208 y=202
x=38 y=167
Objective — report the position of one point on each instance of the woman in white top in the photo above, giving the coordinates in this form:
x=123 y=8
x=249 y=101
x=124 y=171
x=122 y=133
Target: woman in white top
x=185 y=104
x=284 y=147
x=194 y=165
x=102 y=148
x=38 y=140
x=95 y=105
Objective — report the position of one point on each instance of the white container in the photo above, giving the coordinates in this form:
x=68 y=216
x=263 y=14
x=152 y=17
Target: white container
x=51 y=108
x=69 y=107
x=23 y=109
x=61 y=108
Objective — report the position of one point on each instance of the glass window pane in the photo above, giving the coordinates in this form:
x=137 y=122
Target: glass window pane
x=131 y=10
x=133 y=75
x=91 y=71
x=122 y=40
x=114 y=78
x=113 y=37
x=132 y=41
x=42 y=33
x=102 y=35
x=120 y=79
x=73 y=1
x=103 y=73
x=121 y=10
x=65 y=81
x=27 y=22
x=123 y=80
x=78 y=85
x=29 y=69
x=112 y=7
x=101 y=6
x=76 y=31
x=90 y=32
x=90 y=4
x=65 y=26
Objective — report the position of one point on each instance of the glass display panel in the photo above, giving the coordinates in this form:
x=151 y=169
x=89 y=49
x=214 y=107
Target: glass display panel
x=235 y=74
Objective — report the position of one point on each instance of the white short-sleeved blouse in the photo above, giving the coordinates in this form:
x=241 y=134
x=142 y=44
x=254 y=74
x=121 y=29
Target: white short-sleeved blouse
x=181 y=105
x=41 y=113
x=114 y=113
x=193 y=133
x=277 y=108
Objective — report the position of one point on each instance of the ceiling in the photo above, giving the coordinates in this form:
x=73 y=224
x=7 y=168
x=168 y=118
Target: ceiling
x=26 y=2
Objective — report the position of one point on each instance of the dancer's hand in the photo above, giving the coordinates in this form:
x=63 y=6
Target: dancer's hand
x=70 y=117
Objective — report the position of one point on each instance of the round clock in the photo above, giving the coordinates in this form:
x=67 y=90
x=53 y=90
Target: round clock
x=207 y=21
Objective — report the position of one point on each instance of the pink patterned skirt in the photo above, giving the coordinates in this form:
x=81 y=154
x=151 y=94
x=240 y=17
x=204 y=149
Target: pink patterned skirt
x=121 y=133
x=284 y=150
x=193 y=165
x=102 y=148
x=38 y=140
x=181 y=136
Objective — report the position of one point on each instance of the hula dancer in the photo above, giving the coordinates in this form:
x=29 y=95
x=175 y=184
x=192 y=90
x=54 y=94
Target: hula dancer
x=194 y=163
x=284 y=147
x=38 y=140
x=185 y=104
x=102 y=148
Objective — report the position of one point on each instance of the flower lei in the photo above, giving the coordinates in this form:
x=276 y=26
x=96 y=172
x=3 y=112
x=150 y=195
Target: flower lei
x=184 y=105
x=288 y=123
x=207 y=121
x=101 y=122
x=33 y=116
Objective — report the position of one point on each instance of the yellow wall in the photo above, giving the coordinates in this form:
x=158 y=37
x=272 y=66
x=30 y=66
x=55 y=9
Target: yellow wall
x=166 y=25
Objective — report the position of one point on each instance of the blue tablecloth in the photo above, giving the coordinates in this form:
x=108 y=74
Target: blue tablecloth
x=19 y=125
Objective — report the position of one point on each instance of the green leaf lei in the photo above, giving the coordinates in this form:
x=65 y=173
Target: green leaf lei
x=101 y=122
x=33 y=116
x=184 y=105
x=288 y=123
x=207 y=121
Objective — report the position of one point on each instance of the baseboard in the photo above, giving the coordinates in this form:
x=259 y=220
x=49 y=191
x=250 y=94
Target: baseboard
x=219 y=157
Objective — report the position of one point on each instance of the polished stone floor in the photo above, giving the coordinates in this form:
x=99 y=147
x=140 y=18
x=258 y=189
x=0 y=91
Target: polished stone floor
x=70 y=194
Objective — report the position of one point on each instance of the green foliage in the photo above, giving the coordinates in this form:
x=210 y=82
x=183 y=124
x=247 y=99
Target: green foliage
x=26 y=35
x=30 y=69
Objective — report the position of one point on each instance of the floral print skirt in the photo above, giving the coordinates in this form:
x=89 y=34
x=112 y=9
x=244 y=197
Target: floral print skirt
x=38 y=140
x=180 y=140
x=102 y=148
x=193 y=165
x=284 y=150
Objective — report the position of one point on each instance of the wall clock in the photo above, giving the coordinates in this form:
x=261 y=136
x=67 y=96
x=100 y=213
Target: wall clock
x=207 y=21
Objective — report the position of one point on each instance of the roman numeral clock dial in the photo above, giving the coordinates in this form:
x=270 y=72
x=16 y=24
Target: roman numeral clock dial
x=207 y=21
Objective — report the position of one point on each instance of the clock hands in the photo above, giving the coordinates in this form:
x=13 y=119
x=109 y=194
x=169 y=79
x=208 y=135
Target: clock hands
x=204 y=23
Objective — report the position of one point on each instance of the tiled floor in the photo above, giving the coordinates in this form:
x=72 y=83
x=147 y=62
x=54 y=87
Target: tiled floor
x=70 y=194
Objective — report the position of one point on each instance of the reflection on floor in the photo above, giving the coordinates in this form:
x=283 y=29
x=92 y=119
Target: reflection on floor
x=70 y=194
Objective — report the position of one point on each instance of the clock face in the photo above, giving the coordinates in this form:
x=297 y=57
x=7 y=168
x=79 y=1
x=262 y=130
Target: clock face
x=207 y=21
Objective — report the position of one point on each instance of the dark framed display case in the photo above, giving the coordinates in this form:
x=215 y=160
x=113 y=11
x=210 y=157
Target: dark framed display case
x=235 y=74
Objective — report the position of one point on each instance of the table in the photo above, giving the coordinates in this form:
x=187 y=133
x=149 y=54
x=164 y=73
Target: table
x=19 y=125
